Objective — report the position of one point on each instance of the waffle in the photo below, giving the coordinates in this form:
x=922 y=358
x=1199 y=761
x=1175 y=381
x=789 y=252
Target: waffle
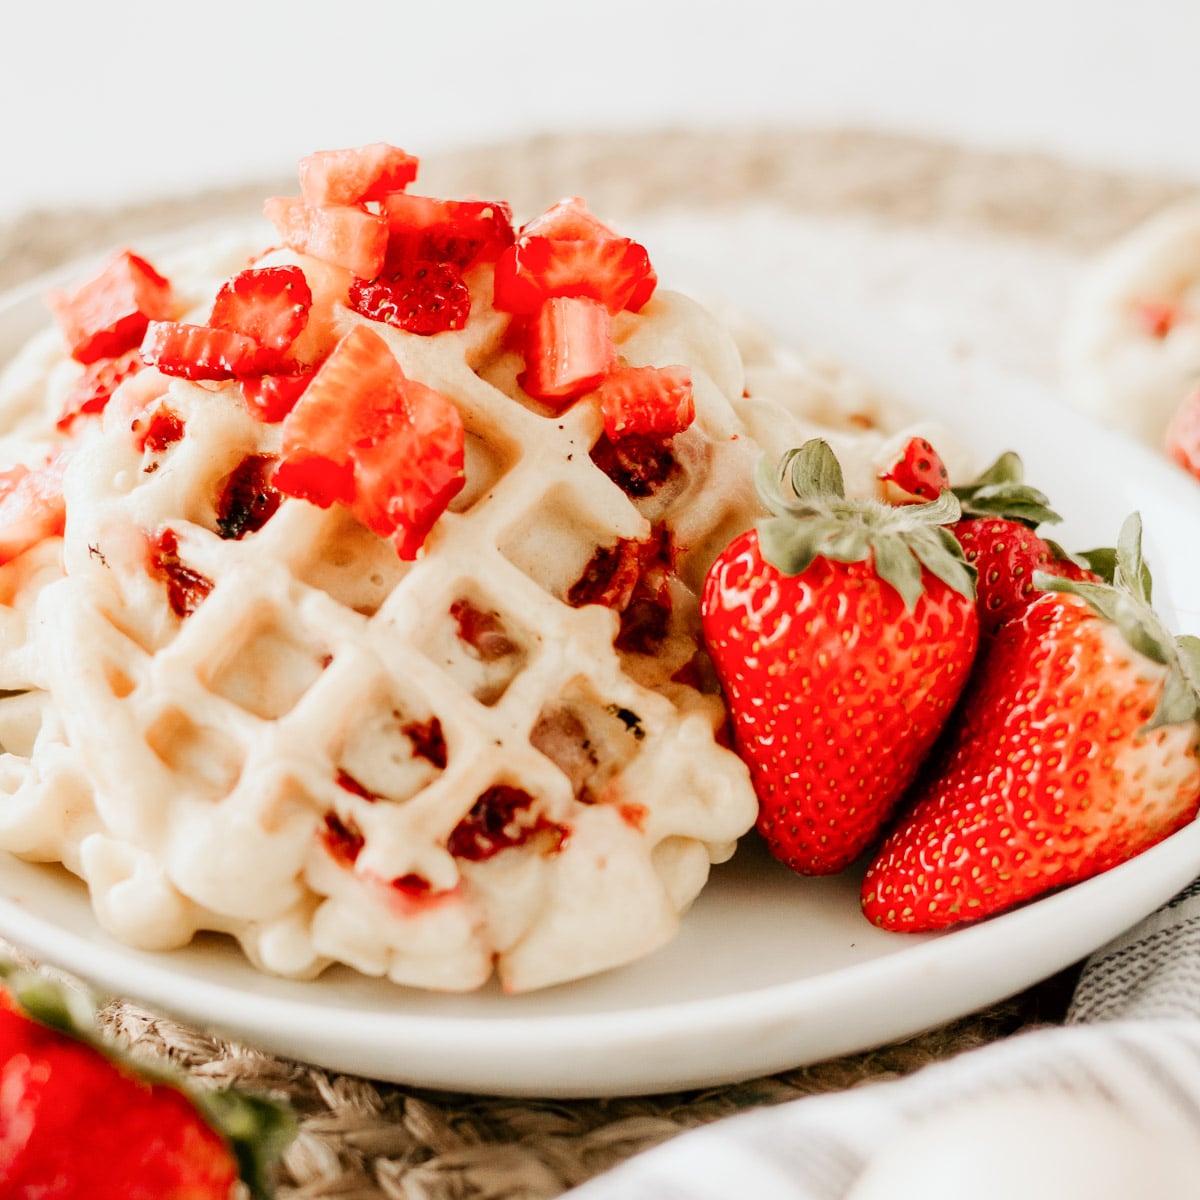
x=430 y=770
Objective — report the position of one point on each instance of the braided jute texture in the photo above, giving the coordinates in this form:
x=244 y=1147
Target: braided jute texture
x=361 y=1140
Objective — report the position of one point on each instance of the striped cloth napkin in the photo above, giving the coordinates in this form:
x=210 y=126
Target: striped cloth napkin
x=1107 y=1105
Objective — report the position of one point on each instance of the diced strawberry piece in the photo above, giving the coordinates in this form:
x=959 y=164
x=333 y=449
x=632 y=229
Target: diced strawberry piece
x=248 y=498
x=1156 y=318
x=615 y=271
x=158 y=428
x=200 y=352
x=271 y=397
x=569 y=349
x=406 y=479
x=187 y=589
x=457 y=231
x=108 y=315
x=352 y=176
x=366 y=436
x=347 y=237
x=268 y=304
x=335 y=413
x=568 y=220
x=639 y=401
x=423 y=298
x=94 y=388
x=32 y=507
x=1182 y=442
x=918 y=472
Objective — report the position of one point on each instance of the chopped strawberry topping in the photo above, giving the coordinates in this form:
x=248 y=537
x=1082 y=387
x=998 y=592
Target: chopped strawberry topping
x=108 y=315
x=186 y=588
x=422 y=297
x=638 y=464
x=609 y=577
x=498 y=820
x=646 y=401
x=271 y=397
x=199 y=352
x=614 y=271
x=267 y=304
x=247 y=500
x=1182 y=442
x=365 y=435
x=569 y=349
x=32 y=507
x=422 y=228
x=340 y=234
x=352 y=176
x=918 y=471
x=568 y=220
x=342 y=838
x=428 y=741
x=1156 y=318
x=157 y=429
x=94 y=388
x=348 y=783
x=482 y=630
x=634 y=579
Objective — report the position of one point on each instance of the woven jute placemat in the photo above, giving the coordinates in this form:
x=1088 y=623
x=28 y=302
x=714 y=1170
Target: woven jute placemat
x=361 y=1140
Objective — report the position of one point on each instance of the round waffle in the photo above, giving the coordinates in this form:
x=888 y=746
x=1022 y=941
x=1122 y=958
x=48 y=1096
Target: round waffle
x=479 y=759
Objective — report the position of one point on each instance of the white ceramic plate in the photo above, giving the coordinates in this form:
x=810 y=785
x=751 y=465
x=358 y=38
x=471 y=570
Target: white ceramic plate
x=770 y=971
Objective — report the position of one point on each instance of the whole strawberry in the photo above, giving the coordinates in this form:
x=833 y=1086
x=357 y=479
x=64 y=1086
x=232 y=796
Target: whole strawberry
x=998 y=535
x=76 y=1123
x=1076 y=748
x=842 y=632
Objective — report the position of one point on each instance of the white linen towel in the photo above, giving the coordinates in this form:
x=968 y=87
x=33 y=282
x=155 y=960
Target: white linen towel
x=1107 y=1105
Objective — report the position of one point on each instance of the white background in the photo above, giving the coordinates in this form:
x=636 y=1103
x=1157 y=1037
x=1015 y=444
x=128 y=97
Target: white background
x=101 y=102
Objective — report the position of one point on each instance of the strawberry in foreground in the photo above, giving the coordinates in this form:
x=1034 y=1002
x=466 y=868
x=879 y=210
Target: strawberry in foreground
x=1076 y=748
x=77 y=1122
x=842 y=632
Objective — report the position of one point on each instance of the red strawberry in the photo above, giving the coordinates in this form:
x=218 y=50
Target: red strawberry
x=615 y=271
x=1077 y=748
x=201 y=352
x=1006 y=555
x=268 y=304
x=94 y=388
x=454 y=231
x=917 y=473
x=108 y=315
x=997 y=536
x=366 y=436
x=568 y=350
x=568 y=220
x=271 y=397
x=352 y=176
x=1183 y=434
x=646 y=402
x=79 y=1123
x=842 y=632
x=423 y=297
x=32 y=507
x=336 y=233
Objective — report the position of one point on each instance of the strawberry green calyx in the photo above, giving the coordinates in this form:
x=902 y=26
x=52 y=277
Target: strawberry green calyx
x=812 y=517
x=1126 y=603
x=1001 y=491
x=255 y=1129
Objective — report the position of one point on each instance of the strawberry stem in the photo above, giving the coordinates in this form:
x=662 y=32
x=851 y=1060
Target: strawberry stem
x=812 y=517
x=1126 y=603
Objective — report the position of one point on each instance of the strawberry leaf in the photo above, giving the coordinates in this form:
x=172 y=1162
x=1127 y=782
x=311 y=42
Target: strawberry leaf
x=1001 y=491
x=812 y=516
x=1125 y=603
